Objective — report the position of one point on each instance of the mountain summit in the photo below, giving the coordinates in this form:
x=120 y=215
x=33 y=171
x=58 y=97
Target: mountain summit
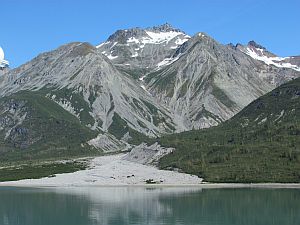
x=138 y=51
x=165 y=28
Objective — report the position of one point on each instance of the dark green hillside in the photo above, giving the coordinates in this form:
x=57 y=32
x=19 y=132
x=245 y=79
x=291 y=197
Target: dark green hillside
x=35 y=127
x=259 y=144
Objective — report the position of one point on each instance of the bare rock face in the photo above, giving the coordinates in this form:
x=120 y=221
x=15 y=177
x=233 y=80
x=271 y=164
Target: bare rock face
x=141 y=83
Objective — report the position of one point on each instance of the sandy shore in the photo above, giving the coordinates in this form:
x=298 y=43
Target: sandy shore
x=115 y=170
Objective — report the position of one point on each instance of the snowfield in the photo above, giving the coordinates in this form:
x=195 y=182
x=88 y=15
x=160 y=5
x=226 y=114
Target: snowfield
x=112 y=170
x=276 y=61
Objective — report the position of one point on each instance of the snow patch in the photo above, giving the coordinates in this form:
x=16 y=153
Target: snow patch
x=276 y=61
x=168 y=61
x=104 y=43
x=160 y=37
x=133 y=40
x=142 y=78
x=181 y=41
x=114 y=44
x=157 y=38
x=143 y=86
x=111 y=57
x=134 y=55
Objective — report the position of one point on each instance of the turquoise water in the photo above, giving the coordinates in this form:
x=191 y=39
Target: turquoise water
x=155 y=206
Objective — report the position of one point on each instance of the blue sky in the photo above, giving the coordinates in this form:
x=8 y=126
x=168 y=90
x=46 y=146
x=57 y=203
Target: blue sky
x=30 y=27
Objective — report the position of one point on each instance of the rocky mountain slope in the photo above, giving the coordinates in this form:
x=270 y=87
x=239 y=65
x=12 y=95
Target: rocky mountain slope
x=33 y=126
x=140 y=83
x=259 y=144
x=208 y=82
x=85 y=84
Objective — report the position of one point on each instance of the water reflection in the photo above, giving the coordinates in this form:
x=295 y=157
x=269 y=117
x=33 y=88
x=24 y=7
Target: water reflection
x=125 y=205
x=157 y=206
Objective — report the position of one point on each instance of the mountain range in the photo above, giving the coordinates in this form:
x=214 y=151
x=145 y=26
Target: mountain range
x=81 y=99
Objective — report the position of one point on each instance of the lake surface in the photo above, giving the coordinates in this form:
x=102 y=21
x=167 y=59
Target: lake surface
x=157 y=206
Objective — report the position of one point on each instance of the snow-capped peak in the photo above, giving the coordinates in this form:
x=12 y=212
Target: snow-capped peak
x=153 y=46
x=3 y=63
x=260 y=53
x=154 y=35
